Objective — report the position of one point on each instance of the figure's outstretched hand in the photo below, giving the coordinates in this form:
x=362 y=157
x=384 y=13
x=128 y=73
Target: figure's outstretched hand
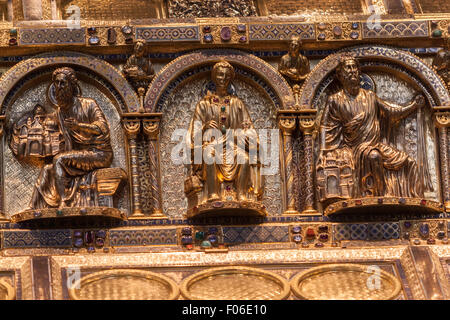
x=419 y=101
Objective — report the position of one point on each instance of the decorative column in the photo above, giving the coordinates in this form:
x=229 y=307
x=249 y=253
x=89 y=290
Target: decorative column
x=132 y=127
x=307 y=123
x=288 y=123
x=2 y=215
x=442 y=122
x=150 y=125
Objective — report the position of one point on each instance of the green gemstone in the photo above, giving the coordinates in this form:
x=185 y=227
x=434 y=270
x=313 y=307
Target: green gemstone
x=59 y=212
x=437 y=33
x=206 y=244
x=223 y=108
x=13 y=32
x=199 y=235
x=224 y=130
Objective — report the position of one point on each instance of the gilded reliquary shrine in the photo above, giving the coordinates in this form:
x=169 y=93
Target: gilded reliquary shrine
x=239 y=149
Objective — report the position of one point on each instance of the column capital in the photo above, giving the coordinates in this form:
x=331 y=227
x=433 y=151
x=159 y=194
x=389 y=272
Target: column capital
x=131 y=127
x=287 y=123
x=441 y=116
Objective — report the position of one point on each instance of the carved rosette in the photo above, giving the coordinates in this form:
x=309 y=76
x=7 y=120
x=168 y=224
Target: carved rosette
x=287 y=124
x=442 y=122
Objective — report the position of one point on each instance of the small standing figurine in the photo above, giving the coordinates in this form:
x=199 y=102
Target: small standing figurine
x=138 y=69
x=294 y=65
x=441 y=62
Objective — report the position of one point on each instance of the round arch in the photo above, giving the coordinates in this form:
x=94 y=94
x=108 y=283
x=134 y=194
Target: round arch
x=55 y=59
x=409 y=61
x=181 y=65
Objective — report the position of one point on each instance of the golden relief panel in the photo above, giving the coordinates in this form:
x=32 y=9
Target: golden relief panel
x=20 y=176
x=178 y=111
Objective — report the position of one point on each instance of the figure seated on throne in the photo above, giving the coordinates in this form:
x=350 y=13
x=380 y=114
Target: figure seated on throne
x=221 y=123
x=74 y=143
x=355 y=158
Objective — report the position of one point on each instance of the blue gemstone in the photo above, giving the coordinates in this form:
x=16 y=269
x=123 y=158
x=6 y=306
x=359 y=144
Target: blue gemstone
x=94 y=40
x=77 y=234
x=424 y=229
x=186 y=240
x=91 y=249
x=241 y=28
x=213 y=239
x=296 y=229
x=213 y=230
x=407 y=224
x=83 y=211
x=297 y=238
x=101 y=234
x=186 y=231
x=208 y=38
x=355 y=25
x=37 y=214
x=354 y=35
x=99 y=242
x=78 y=242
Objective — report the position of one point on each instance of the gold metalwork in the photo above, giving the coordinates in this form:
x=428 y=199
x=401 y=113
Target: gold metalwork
x=211 y=8
x=151 y=127
x=7 y=292
x=132 y=127
x=293 y=65
x=350 y=132
x=76 y=136
x=235 y=283
x=124 y=284
x=34 y=214
x=138 y=69
x=382 y=202
x=287 y=124
x=441 y=62
x=220 y=118
x=344 y=282
x=442 y=122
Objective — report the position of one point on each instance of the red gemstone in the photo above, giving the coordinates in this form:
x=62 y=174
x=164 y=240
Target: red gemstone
x=189 y=246
x=216 y=100
x=310 y=233
x=423 y=202
x=358 y=202
x=227 y=100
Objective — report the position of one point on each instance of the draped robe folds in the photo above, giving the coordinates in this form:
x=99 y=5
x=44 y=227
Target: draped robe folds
x=75 y=167
x=207 y=116
x=354 y=123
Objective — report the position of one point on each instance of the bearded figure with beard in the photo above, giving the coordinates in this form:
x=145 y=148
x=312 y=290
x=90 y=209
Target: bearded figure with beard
x=66 y=181
x=352 y=126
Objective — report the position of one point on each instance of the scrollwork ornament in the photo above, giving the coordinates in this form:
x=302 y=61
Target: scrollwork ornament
x=151 y=128
x=131 y=127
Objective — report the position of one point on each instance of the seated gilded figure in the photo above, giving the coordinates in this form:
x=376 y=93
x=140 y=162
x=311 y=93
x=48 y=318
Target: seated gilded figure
x=355 y=159
x=224 y=147
x=293 y=65
x=74 y=144
x=138 y=69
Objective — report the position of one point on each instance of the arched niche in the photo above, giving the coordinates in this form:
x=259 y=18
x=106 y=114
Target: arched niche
x=402 y=75
x=177 y=88
x=25 y=84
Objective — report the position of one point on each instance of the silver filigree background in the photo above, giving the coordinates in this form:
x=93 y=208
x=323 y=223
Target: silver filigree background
x=178 y=111
x=19 y=176
x=393 y=89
